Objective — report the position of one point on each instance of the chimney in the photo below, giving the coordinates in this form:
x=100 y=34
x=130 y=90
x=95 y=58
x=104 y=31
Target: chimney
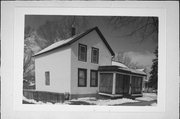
x=73 y=31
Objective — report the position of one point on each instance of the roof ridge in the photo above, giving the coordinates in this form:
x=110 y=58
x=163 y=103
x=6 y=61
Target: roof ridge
x=72 y=39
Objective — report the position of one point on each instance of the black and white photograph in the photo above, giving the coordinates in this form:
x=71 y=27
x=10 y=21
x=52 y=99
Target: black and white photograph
x=90 y=60
x=65 y=59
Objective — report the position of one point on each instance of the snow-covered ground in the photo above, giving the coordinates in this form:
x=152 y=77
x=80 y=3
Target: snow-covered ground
x=147 y=97
x=154 y=95
x=95 y=101
x=89 y=100
x=37 y=102
x=34 y=101
x=153 y=104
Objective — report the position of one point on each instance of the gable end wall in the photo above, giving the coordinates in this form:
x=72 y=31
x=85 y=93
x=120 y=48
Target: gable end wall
x=91 y=40
x=58 y=63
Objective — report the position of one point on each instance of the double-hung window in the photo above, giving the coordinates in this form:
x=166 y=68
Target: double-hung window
x=93 y=78
x=82 y=53
x=82 y=77
x=95 y=55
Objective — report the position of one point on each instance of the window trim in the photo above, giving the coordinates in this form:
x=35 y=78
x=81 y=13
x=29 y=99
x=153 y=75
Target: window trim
x=96 y=83
x=93 y=48
x=47 y=84
x=85 y=77
x=79 y=52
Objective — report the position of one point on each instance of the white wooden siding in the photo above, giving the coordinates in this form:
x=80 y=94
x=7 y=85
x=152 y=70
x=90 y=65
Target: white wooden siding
x=58 y=63
x=91 y=40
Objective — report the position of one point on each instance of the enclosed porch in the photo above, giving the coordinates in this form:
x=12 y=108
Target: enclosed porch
x=116 y=81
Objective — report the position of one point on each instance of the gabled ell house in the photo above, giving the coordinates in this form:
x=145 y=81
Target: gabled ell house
x=82 y=66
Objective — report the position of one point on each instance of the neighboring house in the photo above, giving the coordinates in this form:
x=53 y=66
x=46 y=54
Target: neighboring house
x=82 y=66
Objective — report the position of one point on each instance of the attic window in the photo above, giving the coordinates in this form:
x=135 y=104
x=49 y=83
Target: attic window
x=82 y=53
x=95 y=55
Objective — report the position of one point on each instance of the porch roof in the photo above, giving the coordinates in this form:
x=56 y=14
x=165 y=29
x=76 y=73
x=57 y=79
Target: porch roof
x=115 y=68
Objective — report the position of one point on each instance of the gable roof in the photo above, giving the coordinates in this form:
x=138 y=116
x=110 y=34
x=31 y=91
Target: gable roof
x=73 y=39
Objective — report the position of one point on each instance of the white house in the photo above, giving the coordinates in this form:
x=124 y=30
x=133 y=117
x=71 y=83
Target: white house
x=82 y=66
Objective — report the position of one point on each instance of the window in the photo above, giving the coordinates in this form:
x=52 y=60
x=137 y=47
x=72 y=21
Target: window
x=119 y=84
x=106 y=83
x=47 y=78
x=82 y=77
x=94 y=78
x=95 y=55
x=82 y=53
x=136 y=84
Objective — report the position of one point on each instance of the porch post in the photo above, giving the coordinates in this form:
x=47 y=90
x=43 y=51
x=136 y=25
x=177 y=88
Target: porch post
x=130 y=85
x=114 y=83
x=98 y=81
x=142 y=84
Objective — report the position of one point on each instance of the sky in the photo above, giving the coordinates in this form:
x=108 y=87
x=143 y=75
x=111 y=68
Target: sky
x=140 y=52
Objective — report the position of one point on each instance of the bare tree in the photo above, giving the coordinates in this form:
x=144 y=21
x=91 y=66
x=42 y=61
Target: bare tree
x=142 y=27
x=30 y=47
x=28 y=63
x=27 y=52
x=53 y=31
x=121 y=57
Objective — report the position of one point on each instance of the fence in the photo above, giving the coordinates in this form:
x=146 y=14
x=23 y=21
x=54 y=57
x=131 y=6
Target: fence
x=44 y=96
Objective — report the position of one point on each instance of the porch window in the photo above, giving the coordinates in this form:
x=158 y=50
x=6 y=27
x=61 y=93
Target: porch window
x=82 y=53
x=106 y=82
x=95 y=55
x=94 y=78
x=122 y=84
x=119 y=84
x=47 y=78
x=82 y=77
x=136 y=84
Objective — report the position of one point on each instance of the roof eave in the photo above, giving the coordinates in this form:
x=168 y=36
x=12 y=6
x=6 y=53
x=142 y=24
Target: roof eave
x=118 y=69
x=64 y=45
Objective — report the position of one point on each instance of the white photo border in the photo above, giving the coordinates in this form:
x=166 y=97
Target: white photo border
x=19 y=16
